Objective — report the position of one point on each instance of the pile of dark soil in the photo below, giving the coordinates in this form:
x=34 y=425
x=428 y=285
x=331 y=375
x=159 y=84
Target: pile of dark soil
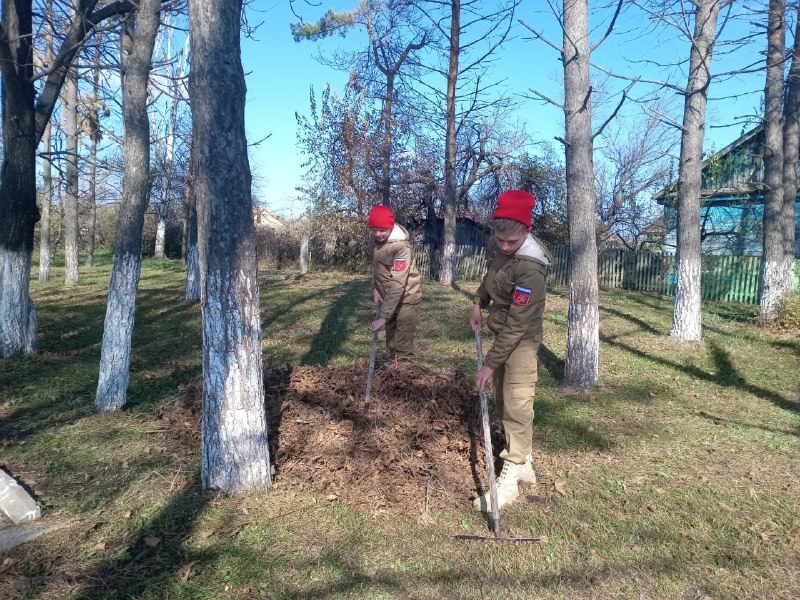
x=417 y=448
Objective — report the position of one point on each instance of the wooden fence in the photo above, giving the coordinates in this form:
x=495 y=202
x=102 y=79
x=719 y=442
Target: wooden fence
x=724 y=278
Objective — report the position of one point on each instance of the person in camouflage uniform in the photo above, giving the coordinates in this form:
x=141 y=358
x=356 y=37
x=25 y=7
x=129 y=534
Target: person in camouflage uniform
x=395 y=283
x=513 y=290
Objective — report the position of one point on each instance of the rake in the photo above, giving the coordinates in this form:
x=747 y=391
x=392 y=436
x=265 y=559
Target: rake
x=487 y=444
x=373 y=351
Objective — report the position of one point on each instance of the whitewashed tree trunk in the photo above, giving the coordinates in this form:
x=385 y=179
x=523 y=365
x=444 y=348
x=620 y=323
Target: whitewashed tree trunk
x=138 y=40
x=71 y=227
x=47 y=200
x=583 y=333
x=791 y=154
x=234 y=426
x=161 y=234
x=447 y=268
x=773 y=282
x=686 y=316
x=304 y=255
x=18 y=326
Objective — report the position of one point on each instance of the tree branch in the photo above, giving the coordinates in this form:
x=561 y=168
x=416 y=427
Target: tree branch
x=602 y=39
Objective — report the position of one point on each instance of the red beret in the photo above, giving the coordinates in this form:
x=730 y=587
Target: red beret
x=380 y=217
x=516 y=205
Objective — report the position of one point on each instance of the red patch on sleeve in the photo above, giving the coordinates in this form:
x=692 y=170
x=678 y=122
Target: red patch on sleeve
x=522 y=296
x=399 y=264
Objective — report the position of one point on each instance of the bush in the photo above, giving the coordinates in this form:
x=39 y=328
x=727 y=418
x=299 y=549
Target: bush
x=789 y=312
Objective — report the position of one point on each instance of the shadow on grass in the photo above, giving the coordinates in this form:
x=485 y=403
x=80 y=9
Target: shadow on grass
x=717 y=420
x=643 y=325
x=156 y=553
x=727 y=375
x=339 y=322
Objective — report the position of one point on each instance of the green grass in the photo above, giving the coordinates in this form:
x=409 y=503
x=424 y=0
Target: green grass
x=679 y=472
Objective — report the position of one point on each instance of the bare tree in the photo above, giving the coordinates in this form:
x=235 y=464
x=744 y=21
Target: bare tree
x=686 y=318
x=138 y=40
x=25 y=117
x=45 y=254
x=581 y=367
x=468 y=46
x=394 y=36
x=772 y=265
x=791 y=150
x=91 y=127
x=234 y=428
x=69 y=116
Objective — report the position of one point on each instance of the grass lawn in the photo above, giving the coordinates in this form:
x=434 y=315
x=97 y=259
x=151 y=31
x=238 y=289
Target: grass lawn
x=679 y=477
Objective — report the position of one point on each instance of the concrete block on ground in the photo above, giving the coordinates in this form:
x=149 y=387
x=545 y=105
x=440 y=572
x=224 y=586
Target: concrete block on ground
x=16 y=502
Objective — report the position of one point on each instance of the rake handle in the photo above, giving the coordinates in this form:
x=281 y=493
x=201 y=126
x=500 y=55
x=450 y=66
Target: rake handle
x=487 y=442
x=372 y=352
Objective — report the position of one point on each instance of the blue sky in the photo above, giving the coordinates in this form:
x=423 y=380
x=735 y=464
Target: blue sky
x=280 y=73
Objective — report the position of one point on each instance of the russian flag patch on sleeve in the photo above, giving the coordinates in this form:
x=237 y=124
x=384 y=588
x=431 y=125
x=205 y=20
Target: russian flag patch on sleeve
x=522 y=296
x=399 y=264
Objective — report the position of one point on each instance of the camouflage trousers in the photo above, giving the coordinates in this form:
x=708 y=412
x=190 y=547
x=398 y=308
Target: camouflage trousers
x=400 y=330
x=514 y=390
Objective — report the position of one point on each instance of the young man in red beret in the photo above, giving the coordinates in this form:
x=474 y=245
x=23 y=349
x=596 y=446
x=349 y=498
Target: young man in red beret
x=513 y=290
x=395 y=282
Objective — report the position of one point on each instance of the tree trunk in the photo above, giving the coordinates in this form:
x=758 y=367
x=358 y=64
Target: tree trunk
x=138 y=40
x=791 y=152
x=91 y=223
x=447 y=268
x=192 y=253
x=18 y=211
x=581 y=364
x=386 y=159
x=47 y=200
x=71 y=227
x=772 y=265
x=234 y=426
x=45 y=253
x=304 y=254
x=686 y=317
x=161 y=234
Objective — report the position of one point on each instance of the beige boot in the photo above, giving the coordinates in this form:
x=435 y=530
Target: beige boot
x=526 y=472
x=507 y=488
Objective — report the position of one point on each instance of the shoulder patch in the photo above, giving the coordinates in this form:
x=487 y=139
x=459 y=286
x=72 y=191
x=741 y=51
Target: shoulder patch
x=399 y=264
x=521 y=296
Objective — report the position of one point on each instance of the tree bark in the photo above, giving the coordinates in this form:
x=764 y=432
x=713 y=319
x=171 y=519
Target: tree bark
x=686 y=316
x=138 y=40
x=91 y=223
x=447 y=269
x=791 y=154
x=45 y=254
x=583 y=333
x=772 y=266
x=304 y=253
x=191 y=252
x=234 y=427
x=18 y=211
x=71 y=227
x=47 y=200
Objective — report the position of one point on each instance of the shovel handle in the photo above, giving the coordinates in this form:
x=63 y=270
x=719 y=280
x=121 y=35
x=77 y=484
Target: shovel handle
x=487 y=442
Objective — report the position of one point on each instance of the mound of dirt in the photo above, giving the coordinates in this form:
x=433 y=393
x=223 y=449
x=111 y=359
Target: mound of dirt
x=416 y=449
